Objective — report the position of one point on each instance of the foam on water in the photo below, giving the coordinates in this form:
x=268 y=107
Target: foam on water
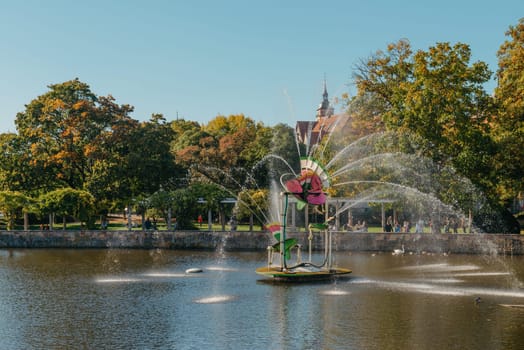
x=445 y=291
x=167 y=275
x=215 y=299
x=443 y=280
x=429 y=288
x=405 y=285
x=117 y=280
x=514 y=306
x=499 y=292
x=334 y=292
x=442 y=267
x=482 y=274
x=220 y=268
x=358 y=280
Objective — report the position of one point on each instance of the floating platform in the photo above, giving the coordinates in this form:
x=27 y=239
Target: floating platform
x=301 y=274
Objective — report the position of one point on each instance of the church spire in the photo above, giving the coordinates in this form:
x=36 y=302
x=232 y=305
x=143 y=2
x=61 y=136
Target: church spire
x=325 y=94
x=324 y=110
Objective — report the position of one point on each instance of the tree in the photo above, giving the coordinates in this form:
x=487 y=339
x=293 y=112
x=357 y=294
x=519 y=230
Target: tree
x=385 y=78
x=195 y=147
x=69 y=202
x=109 y=179
x=13 y=170
x=436 y=94
x=365 y=117
x=224 y=151
x=66 y=129
x=254 y=203
x=209 y=197
x=13 y=203
x=161 y=202
x=438 y=97
x=71 y=137
x=509 y=124
x=149 y=164
x=221 y=126
x=186 y=133
x=284 y=154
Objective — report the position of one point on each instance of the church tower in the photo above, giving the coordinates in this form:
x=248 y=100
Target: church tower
x=311 y=132
x=324 y=110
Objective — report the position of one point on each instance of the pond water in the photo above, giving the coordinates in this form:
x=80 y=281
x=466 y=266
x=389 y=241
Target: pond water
x=140 y=299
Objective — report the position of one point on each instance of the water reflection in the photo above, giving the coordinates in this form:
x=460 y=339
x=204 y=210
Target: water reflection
x=137 y=299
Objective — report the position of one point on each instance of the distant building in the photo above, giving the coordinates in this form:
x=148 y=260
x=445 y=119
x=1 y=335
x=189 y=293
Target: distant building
x=312 y=132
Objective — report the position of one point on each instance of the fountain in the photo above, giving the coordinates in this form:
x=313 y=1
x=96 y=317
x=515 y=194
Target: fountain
x=309 y=190
x=372 y=170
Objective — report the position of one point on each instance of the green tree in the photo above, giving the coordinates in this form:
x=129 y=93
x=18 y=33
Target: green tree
x=284 y=154
x=12 y=204
x=67 y=202
x=110 y=177
x=161 y=203
x=149 y=164
x=253 y=203
x=11 y=177
x=437 y=98
x=207 y=196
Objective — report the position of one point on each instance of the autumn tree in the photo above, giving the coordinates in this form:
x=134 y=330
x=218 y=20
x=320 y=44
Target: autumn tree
x=187 y=134
x=223 y=151
x=70 y=137
x=64 y=128
x=191 y=145
x=509 y=124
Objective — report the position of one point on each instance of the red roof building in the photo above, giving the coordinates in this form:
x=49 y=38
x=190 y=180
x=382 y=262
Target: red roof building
x=312 y=132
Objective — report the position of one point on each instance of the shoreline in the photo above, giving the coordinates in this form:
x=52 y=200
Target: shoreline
x=502 y=244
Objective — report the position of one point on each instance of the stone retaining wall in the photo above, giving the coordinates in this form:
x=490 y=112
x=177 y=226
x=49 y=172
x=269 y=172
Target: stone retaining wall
x=258 y=241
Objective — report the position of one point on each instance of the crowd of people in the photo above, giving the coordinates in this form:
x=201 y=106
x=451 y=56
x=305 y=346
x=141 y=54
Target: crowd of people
x=392 y=225
x=450 y=225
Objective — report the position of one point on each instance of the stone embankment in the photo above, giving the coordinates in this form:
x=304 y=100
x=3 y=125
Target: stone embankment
x=258 y=241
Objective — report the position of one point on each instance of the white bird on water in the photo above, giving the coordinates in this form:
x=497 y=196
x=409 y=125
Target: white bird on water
x=399 y=251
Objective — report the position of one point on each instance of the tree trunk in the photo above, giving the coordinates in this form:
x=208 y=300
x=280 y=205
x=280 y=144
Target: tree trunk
x=26 y=221
x=169 y=219
x=129 y=223
x=222 y=218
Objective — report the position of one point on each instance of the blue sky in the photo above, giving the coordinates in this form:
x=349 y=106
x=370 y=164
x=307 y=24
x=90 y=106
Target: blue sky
x=197 y=59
